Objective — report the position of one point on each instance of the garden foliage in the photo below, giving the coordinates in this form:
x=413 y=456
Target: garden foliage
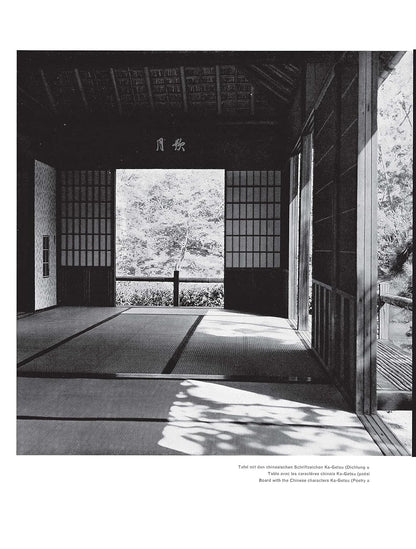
x=395 y=176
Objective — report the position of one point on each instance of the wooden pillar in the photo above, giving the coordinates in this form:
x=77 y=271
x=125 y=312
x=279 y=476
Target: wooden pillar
x=384 y=313
x=366 y=299
x=305 y=231
x=176 y=288
x=293 y=239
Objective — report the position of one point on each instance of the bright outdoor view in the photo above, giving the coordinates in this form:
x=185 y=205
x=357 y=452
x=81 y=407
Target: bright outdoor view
x=395 y=202
x=170 y=220
x=395 y=249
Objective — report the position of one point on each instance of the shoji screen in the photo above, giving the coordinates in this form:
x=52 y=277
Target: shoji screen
x=252 y=225
x=86 y=218
x=253 y=278
x=86 y=237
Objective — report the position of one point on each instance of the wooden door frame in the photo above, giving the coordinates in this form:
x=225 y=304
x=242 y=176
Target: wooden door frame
x=305 y=228
x=366 y=298
x=293 y=245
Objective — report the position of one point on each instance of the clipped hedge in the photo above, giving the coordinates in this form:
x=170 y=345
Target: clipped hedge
x=207 y=295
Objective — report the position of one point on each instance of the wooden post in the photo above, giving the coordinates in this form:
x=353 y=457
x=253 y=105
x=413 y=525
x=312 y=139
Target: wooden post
x=293 y=238
x=366 y=298
x=176 y=288
x=384 y=312
x=305 y=232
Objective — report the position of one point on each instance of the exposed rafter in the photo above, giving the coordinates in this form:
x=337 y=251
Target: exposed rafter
x=81 y=88
x=48 y=91
x=282 y=90
x=252 y=100
x=33 y=99
x=281 y=74
x=180 y=90
x=183 y=86
x=254 y=77
x=117 y=96
x=218 y=86
x=149 y=87
x=131 y=85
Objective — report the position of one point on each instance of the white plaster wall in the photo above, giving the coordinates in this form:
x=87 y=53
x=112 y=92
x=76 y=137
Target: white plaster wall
x=45 y=224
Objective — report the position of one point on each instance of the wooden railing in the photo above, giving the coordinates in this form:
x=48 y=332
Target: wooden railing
x=174 y=279
x=385 y=301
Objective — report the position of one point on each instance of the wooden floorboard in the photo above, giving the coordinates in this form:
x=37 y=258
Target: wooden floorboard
x=393 y=366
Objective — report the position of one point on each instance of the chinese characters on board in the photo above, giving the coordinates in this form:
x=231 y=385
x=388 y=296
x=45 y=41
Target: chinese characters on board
x=178 y=144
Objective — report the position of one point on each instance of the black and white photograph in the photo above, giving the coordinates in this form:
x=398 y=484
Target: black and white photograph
x=212 y=274
x=214 y=252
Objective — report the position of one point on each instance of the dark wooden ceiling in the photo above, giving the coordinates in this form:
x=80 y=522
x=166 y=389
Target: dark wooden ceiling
x=61 y=88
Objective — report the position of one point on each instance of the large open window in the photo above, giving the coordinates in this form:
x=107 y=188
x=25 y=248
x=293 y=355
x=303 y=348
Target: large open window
x=170 y=233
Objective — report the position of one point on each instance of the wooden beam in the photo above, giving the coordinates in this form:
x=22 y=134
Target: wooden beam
x=293 y=68
x=183 y=86
x=48 y=91
x=278 y=86
x=293 y=240
x=255 y=78
x=397 y=301
x=309 y=118
x=334 y=334
x=131 y=85
x=149 y=87
x=81 y=88
x=33 y=99
x=366 y=298
x=391 y=65
x=113 y=79
x=282 y=75
x=218 y=83
x=305 y=203
x=99 y=60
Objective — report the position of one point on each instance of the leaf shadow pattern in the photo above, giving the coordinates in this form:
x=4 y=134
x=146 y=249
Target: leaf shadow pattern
x=221 y=419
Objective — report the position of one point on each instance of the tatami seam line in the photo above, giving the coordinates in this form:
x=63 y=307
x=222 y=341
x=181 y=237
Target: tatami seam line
x=171 y=377
x=173 y=420
x=179 y=350
x=69 y=338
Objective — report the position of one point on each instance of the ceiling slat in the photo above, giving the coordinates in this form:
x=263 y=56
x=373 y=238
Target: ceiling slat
x=252 y=100
x=149 y=87
x=183 y=86
x=256 y=79
x=48 y=91
x=280 y=73
x=81 y=88
x=113 y=79
x=281 y=90
x=218 y=86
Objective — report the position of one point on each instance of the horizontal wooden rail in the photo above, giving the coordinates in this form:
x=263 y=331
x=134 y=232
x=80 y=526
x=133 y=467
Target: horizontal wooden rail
x=166 y=279
x=397 y=301
x=144 y=279
x=385 y=300
x=175 y=280
x=208 y=280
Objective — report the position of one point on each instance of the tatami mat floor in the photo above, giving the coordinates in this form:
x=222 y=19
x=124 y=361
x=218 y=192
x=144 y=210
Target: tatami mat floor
x=177 y=413
x=38 y=331
x=231 y=344
x=124 y=344
x=188 y=417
